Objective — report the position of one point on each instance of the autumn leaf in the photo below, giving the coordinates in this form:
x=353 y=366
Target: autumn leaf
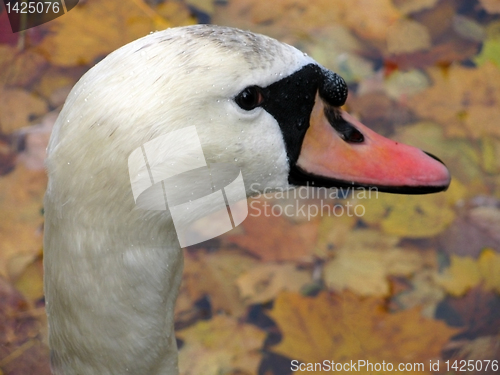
x=491 y=46
x=22 y=349
x=424 y=293
x=333 y=232
x=215 y=274
x=477 y=313
x=366 y=260
x=411 y=6
x=264 y=282
x=371 y=20
x=17 y=106
x=464 y=100
x=462 y=275
x=492 y=6
x=30 y=281
x=274 y=238
x=463 y=158
x=475 y=229
x=489 y=269
x=483 y=349
x=409 y=216
x=220 y=346
x=406 y=36
x=20 y=68
x=36 y=139
x=345 y=328
x=465 y=273
x=21 y=202
x=100 y=28
x=55 y=85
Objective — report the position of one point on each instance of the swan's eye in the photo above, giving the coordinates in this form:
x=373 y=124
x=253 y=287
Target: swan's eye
x=250 y=98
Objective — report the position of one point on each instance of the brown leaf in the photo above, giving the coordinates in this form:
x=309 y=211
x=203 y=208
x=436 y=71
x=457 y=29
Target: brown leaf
x=7 y=155
x=220 y=346
x=215 y=274
x=20 y=68
x=475 y=229
x=478 y=313
x=21 y=348
x=274 y=238
x=345 y=328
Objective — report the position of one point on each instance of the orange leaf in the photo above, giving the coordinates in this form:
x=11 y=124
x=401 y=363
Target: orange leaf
x=344 y=328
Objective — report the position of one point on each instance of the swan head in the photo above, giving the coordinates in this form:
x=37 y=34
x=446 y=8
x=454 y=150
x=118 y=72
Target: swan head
x=255 y=102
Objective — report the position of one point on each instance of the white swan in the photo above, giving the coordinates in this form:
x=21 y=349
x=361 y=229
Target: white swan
x=112 y=271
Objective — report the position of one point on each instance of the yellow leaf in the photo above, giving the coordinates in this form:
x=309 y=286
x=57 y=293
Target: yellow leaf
x=411 y=6
x=17 y=107
x=462 y=275
x=21 y=201
x=205 y=5
x=464 y=100
x=491 y=155
x=220 y=345
x=30 y=282
x=489 y=268
x=345 y=328
x=101 y=27
x=363 y=266
x=409 y=216
x=407 y=36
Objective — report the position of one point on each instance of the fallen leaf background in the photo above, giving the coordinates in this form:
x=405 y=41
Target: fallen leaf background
x=411 y=279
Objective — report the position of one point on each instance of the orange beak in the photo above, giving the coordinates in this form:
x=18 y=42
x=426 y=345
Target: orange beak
x=339 y=151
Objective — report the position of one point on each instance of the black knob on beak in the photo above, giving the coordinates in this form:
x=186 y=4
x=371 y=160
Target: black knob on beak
x=332 y=88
